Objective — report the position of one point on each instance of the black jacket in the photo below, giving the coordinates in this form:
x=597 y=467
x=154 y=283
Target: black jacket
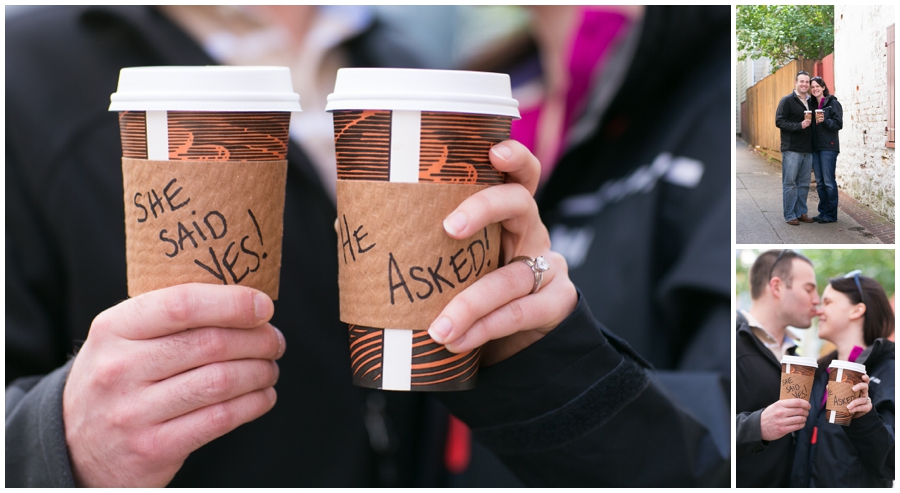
x=788 y=117
x=760 y=463
x=826 y=133
x=650 y=251
x=857 y=456
x=551 y=412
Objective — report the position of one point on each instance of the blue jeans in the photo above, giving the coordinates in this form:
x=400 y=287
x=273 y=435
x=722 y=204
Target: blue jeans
x=795 y=168
x=824 y=164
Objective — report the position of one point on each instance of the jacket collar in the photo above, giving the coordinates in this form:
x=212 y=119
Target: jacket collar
x=880 y=350
x=153 y=31
x=744 y=330
x=797 y=95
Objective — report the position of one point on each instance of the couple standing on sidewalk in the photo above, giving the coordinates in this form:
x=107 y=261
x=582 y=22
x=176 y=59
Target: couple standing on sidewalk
x=809 y=119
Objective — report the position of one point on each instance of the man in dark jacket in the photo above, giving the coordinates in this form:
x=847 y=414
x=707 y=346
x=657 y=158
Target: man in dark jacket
x=783 y=289
x=550 y=411
x=794 y=118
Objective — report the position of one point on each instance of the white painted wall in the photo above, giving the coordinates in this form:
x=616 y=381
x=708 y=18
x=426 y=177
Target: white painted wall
x=865 y=167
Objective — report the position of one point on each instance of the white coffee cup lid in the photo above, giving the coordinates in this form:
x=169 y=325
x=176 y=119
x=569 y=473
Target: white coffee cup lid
x=454 y=91
x=799 y=360
x=210 y=88
x=848 y=366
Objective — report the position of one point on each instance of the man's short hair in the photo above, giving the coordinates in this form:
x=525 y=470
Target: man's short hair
x=802 y=72
x=773 y=263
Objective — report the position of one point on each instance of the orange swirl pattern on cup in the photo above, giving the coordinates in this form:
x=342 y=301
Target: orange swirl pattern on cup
x=212 y=136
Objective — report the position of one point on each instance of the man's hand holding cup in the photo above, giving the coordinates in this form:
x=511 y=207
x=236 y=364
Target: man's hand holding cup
x=783 y=417
x=164 y=373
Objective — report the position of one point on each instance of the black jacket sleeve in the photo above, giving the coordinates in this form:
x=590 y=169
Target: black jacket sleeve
x=872 y=434
x=36 y=451
x=579 y=407
x=834 y=116
x=782 y=120
x=749 y=433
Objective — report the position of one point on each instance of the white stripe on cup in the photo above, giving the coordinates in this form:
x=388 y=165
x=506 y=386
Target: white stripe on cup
x=404 y=167
x=405 y=128
x=157 y=136
x=840 y=373
x=787 y=367
x=397 y=360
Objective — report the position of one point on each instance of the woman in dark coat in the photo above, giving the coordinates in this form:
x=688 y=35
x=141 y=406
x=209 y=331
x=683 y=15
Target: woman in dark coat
x=856 y=316
x=826 y=148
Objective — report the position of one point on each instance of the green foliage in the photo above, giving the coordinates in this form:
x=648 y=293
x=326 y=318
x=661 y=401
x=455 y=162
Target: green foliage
x=878 y=264
x=785 y=32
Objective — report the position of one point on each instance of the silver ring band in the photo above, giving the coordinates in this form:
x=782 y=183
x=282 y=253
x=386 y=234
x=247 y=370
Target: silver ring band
x=538 y=267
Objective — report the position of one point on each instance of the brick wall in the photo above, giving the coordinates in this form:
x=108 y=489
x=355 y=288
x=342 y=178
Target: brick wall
x=865 y=167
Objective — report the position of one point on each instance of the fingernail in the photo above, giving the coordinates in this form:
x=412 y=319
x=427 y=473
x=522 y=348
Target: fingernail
x=456 y=223
x=270 y=393
x=502 y=151
x=456 y=346
x=277 y=371
x=440 y=329
x=261 y=306
x=281 y=344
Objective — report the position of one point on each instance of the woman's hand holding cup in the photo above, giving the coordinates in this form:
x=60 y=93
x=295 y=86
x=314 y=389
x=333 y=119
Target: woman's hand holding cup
x=863 y=404
x=500 y=311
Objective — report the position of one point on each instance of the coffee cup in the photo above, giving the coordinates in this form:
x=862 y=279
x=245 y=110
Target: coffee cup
x=410 y=146
x=820 y=115
x=797 y=375
x=843 y=376
x=807 y=115
x=204 y=167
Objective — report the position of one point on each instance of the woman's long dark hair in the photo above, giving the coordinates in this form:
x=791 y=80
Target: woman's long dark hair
x=818 y=80
x=879 y=316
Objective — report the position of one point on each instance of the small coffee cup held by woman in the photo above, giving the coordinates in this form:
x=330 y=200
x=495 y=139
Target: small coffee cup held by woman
x=856 y=316
x=828 y=122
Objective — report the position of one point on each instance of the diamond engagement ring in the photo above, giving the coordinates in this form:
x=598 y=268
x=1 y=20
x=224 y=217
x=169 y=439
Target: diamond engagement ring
x=538 y=266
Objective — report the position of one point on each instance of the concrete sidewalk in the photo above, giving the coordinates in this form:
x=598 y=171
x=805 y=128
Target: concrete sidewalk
x=760 y=217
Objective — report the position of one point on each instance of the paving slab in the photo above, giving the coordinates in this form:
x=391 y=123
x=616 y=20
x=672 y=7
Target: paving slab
x=837 y=233
x=759 y=218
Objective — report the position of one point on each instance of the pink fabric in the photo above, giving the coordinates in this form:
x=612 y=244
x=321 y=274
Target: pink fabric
x=525 y=129
x=596 y=32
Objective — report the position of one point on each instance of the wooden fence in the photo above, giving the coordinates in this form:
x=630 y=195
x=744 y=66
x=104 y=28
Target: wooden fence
x=762 y=101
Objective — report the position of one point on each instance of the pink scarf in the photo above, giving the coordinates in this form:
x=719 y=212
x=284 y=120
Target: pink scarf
x=596 y=33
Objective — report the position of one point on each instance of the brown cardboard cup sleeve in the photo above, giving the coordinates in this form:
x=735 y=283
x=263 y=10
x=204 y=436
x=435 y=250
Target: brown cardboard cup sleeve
x=796 y=386
x=839 y=395
x=398 y=268
x=215 y=222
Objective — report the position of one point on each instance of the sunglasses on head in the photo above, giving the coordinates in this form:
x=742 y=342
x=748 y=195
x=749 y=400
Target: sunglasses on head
x=772 y=270
x=855 y=275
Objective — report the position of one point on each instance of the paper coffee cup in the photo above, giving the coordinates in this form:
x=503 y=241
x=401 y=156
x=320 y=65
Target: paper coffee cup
x=410 y=146
x=807 y=115
x=843 y=376
x=797 y=375
x=204 y=168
